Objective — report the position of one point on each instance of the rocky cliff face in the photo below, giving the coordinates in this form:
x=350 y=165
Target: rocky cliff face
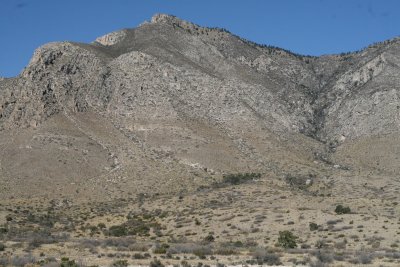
x=170 y=100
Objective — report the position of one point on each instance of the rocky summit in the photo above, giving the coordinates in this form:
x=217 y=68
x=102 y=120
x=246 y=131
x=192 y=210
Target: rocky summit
x=195 y=141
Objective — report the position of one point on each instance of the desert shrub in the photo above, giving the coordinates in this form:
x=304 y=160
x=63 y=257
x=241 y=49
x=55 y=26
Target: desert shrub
x=118 y=230
x=134 y=226
x=202 y=252
x=324 y=256
x=120 y=263
x=139 y=247
x=299 y=181
x=209 y=238
x=162 y=249
x=66 y=262
x=226 y=251
x=313 y=226
x=23 y=260
x=338 y=257
x=39 y=237
x=48 y=262
x=287 y=239
x=2 y=247
x=393 y=255
x=341 y=244
x=156 y=263
x=264 y=257
x=333 y=222
x=340 y=209
x=91 y=245
x=138 y=256
x=189 y=248
x=320 y=243
x=240 y=178
x=238 y=244
x=185 y=264
x=3 y=261
x=101 y=225
x=121 y=243
x=318 y=264
x=364 y=258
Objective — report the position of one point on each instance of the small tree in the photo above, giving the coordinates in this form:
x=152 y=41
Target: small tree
x=287 y=239
x=340 y=209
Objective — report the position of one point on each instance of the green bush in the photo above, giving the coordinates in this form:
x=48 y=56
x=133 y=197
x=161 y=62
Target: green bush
x=118 y=230
x=287 y=239
x=161 y=249
x=65 y=262
x=156 y=263
x=240 y=178
x=340 y=209
x=313 y=226
x=120 y=263
x=2 y=247
x=134 y=226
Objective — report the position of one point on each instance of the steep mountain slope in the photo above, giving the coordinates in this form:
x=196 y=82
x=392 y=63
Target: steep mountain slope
x=170 y=106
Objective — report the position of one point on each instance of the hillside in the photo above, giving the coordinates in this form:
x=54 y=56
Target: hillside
x=172 y=100
x=170 y=108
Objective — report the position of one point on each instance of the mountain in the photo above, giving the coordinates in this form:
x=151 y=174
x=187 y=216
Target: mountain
x=177 y=144
x=170 y=107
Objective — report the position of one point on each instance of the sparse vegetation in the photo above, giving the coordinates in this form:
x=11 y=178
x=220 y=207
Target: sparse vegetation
x=120 y=263
x=239 y=178
x=264 y=257
x=156 y=263
x=134 y=226
x=106 y=180
x=340 y=209
x=209 y=238
x=66 y=262
x=161 y=249
x=287 y=239
x=118 y=230
x=313 y=226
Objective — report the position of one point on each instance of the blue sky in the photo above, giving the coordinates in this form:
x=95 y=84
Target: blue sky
x=312 y=27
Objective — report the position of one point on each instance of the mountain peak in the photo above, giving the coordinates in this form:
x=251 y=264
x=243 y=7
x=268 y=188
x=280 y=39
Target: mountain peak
x=172 y=20
x=164 y=18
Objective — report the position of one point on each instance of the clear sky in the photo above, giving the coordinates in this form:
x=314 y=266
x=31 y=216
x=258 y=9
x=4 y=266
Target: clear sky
x=312 y=27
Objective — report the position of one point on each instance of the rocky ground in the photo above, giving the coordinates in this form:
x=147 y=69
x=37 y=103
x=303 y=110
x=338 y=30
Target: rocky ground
x=231 y=222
